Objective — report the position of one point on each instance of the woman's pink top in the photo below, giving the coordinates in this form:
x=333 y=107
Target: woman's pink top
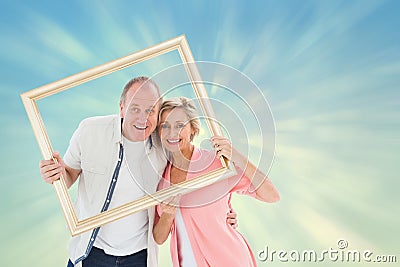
x=204 y=211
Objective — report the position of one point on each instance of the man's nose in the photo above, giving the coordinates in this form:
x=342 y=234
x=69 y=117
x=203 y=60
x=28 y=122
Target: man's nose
x=142 y=117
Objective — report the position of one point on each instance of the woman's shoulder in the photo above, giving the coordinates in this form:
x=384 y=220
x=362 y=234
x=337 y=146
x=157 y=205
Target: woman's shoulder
x=204 y=152
x=204 y=159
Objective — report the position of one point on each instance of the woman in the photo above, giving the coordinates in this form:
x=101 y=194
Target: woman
x=200 y=235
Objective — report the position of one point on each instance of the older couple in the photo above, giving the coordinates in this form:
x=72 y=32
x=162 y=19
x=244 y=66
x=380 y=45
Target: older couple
x=120 y=158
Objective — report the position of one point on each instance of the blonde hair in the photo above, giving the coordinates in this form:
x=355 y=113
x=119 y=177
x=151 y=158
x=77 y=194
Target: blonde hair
x=187 y=106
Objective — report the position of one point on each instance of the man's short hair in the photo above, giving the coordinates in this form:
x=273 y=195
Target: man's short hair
x=143 y=80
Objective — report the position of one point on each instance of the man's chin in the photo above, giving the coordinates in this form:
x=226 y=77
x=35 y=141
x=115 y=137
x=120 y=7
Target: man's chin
x=137 y=137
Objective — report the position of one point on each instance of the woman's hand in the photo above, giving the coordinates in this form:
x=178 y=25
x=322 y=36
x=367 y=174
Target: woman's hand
x=170 y=206
x=224 y=147
x=162 y=225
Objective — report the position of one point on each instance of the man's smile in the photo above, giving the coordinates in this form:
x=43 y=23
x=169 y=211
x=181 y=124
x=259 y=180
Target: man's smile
x=141 y=128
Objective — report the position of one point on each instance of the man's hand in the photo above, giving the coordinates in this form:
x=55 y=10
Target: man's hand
x=231 y=219
x=51 y=171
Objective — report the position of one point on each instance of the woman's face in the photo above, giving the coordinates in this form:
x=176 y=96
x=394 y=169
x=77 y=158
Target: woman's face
x=175 y=130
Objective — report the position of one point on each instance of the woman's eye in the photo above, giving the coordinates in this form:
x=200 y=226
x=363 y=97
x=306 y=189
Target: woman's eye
x=150 y=111
x=180 y=125
x=164 y=126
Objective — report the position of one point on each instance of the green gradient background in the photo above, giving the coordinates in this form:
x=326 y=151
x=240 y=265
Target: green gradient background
x=329 y=69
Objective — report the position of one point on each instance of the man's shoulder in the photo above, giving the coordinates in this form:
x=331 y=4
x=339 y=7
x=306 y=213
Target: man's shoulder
x=99 y=125
x=100 y=120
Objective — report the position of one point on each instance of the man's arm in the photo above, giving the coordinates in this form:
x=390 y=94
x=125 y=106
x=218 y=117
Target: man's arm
x=51 y=171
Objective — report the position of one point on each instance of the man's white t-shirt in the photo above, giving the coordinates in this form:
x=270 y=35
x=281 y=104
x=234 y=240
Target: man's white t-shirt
x=129 y=234
x=94 y=149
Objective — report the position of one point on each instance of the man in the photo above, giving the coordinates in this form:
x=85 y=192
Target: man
x=117 y=159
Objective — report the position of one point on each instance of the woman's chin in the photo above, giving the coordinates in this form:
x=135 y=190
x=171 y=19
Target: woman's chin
x=171 y=148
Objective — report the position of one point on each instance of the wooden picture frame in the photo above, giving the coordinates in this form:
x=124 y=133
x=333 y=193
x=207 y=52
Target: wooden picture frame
x=29 y=99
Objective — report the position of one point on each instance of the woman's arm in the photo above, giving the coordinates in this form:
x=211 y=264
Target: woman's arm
x=265 y=191
x=163 y=223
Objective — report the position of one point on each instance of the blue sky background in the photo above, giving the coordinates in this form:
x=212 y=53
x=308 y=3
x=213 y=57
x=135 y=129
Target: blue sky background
x=330 y=71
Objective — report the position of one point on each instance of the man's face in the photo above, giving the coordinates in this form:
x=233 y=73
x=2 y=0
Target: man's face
x=139 y=112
